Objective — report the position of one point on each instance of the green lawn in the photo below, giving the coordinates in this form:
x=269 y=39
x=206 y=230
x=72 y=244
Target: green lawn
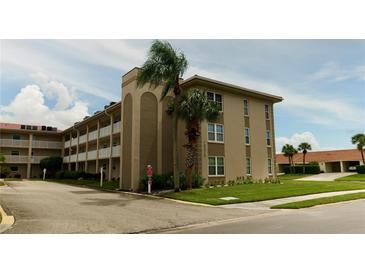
x=261 y=192
x=292 y=176
x=2 y=183
x=322 y=201
x=92 y=183
x=12 y=179
x=355 y=177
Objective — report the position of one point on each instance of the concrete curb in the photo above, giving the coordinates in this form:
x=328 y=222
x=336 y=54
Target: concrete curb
x=7 y=221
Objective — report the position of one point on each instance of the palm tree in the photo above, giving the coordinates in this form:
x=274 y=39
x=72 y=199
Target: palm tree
x=359 y=140
x=289 y=151
x=165 y=66
x=194 y=107
x=304 y=147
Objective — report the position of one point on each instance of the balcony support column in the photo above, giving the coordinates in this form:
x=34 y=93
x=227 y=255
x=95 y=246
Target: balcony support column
x=69 y=153
x=111 y=147
x=86 y=146
x=97 y=147
x=77 y=149
x=29 y=155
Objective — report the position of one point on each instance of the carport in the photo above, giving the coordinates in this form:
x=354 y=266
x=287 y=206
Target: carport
x=333 y=166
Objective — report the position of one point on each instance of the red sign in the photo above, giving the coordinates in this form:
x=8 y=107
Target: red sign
x=149 y=171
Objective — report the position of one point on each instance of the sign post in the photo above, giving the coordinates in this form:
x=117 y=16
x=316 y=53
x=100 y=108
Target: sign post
x=149 y=175
x=44 y=174
x=101 y=177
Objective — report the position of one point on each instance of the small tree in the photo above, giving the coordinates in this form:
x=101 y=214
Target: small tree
x=289 y=151
x=304 y=147
x=52 y=164
x=359 y=140
x=2 y=160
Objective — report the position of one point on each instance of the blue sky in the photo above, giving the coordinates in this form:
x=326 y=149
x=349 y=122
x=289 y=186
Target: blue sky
x=58 y=82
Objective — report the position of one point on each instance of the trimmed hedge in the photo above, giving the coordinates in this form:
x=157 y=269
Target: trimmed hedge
x=165 y=181
x=360 y=169
x=309 y=169
x=76 y=175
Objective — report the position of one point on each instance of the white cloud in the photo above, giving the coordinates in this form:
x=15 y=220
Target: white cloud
x=334 y=72
x=29 y=107
x=298 y=138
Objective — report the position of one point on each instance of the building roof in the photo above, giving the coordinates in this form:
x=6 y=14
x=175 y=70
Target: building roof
x=236 y=88
x=323 y=156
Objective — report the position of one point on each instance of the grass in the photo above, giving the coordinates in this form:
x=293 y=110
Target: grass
x=2 y=183
x=111 y=185
x=12 y=179
x=321 y=201
x=260 y=192
x=355 y=177
x=292 y=176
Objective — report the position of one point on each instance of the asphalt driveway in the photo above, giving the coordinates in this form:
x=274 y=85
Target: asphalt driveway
x=41 y=207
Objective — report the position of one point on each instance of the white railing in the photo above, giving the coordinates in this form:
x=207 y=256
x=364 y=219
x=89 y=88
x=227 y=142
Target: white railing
x=93 y=135
x=67 y=143
x=104 y=153
x=74 y=141
x=14 y=143
x=116 y=127
x=82 y=156
x=91 y=155
x=47 y=144
x=65 y=159
x=37 y=159
x=82 y=139
x=16 y=158
x=116 y=151
x=73 y=158
x=105 y=131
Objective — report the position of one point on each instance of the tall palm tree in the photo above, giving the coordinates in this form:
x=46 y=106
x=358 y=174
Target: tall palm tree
x=359 y=140
x=304 y=147
x=289 y=151
x=165 y=66
x=194 y=107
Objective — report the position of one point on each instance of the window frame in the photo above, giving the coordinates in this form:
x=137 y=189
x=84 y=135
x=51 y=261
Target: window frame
x=214 y=99
x=18 y=137
x=269 y=166
x=247 y=136
x=267 y=112
x=15 y=152
x=250 y=167
x=216 y=167
x=268 y=138
x=216 y=133
x=246 y=107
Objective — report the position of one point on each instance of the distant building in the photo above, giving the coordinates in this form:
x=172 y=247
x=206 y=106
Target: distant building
x=329 y=161
x=126 y=136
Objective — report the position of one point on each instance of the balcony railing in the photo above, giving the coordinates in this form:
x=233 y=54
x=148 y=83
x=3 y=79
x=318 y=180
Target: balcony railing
x=116 y=127
x=67 y=143
x=82 y=139
x=116 y=151
x=105 y=131
x=47 y=144
x=93 y=135
x=91 y=155
x=82 y=156
x=14 y=143
x=23 y=159
x=104 y=153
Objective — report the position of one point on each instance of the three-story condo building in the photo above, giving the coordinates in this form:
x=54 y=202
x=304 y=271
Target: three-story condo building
x=126 y=136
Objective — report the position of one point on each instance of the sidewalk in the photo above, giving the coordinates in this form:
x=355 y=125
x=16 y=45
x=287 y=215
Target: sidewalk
x=265 y=205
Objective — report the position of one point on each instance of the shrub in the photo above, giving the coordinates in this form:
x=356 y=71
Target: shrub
x=360 y=169
x=159 y=181
x=4 y=171
x=52 y=164
x=77 y=175
x=198 y=181
x=309 y=169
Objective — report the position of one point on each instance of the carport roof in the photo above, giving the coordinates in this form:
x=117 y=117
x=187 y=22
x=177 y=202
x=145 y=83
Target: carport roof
x=323 y=156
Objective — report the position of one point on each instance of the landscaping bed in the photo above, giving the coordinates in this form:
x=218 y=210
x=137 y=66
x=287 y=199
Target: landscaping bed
x=259 y=192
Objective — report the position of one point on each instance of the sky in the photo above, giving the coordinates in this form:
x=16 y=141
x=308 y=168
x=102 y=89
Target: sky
x=58 y=82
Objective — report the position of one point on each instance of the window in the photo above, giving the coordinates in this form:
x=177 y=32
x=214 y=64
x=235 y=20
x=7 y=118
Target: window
x=15 y=152
x=16 y=137
x=215 y=133
x=217 y=98
x=216 y=166
x=247 y=136
x=268 y=137
x=245 y=107
x=14 y=168
x=248 y=166
x=269 y=166
x=267 y=116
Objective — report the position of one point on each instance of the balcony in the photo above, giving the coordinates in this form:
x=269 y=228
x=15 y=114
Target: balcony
x=105 y=131
x=47 y=144
x=116 y=151
x=16 y=158
x=93 y=135
x=104 y=153
x=82 y=156
x=116 y=127
x=82 y=139
x=91 y=155
x=37 y=159
x=14 y=143
x=67 y=143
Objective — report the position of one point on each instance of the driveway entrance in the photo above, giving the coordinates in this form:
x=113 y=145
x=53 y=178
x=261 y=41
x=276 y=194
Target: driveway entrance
x=326 y=176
